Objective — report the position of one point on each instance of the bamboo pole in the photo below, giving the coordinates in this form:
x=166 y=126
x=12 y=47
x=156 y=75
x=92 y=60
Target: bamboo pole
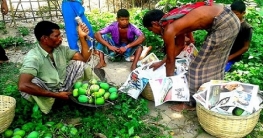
x=49 y=9
x=32 y=10
x=23 y=11
x=99 y=5
x=40 y=10
x=89 y=6
x=12 y=11
x=114 y=6
x=108 y=5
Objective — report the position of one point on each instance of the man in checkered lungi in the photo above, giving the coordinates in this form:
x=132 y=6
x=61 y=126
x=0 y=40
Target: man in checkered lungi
x=222 y=26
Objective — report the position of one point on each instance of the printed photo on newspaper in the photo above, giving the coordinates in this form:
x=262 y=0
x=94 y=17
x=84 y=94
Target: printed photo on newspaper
x=232 y=94
x=138 y=79
x=148 y=59
x=173 y=88
x=181 y=65
x=189 y=52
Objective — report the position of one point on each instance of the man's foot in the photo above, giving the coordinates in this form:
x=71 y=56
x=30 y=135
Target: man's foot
x=100 y=65
x=145 y=52
x=182 y=106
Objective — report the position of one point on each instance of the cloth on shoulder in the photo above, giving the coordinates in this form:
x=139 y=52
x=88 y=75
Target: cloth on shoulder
x=179 y=12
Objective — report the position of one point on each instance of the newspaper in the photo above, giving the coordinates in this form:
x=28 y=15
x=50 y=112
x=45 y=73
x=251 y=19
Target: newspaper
x=181 y=65
x=189 y=52
x=164 y=88
x=139 y=78
x=224 y=96
x=148 y=59
x=173 y=88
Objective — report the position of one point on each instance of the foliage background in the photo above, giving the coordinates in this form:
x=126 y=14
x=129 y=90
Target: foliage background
x=127 y=118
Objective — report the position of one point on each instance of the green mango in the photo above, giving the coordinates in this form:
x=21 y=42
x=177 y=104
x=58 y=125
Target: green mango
x=113 y=96
x=113 y=89
x=99 y=101
x=20 y=133
x=104 y=85
x=82 y=91
x=106 y=95
x=8 y=133
x=77 y=85
x=33 y=134
x=75 y=92
x=83 y=99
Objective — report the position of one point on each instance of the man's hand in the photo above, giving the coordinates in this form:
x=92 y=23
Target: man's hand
x=115 y=49
x=156 y=65
x=63 y=95
x=83 y=30
x=123 y=49
x=4 y=7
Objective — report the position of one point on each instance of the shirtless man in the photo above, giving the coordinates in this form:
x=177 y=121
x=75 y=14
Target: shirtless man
x=125 y=40
x=222 y=26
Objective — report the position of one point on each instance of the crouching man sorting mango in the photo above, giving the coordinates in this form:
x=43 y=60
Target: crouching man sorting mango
x=50 y=69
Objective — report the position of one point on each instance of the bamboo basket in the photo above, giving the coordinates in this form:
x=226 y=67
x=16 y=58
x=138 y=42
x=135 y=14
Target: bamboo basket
x=147 y=93
x=225 y=126
x=7 y=111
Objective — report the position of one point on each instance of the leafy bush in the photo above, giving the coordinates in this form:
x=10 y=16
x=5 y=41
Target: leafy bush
x=24 y=31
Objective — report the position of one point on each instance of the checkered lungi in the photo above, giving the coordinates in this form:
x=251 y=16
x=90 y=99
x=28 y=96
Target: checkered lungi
x=212 y=57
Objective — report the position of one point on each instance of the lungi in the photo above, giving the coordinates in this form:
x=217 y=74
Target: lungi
x=210 y=62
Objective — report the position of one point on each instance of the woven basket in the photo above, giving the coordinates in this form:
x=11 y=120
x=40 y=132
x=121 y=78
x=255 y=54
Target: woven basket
x=7 y=111
x=147 y=93
x=226 y=126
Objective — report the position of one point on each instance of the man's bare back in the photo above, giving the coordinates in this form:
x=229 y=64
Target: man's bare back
x=196 y=19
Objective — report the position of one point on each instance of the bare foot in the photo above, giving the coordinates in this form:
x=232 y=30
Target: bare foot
x=145 y=52
x=182 y=106
x=100 y=65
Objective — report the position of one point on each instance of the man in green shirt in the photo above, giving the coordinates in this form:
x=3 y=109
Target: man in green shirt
x=49 y=70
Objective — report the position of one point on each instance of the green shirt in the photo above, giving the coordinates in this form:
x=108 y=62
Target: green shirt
x=38 y=63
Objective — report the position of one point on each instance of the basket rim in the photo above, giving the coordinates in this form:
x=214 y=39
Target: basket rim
x=229 y=116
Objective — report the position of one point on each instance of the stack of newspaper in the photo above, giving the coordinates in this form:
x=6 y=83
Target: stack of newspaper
x=164 y=88
x=224 y=96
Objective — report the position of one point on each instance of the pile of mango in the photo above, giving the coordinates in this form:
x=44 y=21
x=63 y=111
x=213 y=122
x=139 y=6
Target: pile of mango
x=94 y=92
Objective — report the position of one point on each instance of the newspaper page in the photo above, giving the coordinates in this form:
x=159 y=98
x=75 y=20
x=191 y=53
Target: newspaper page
x=232 y=94
x=148 y=59
x=173 y=88
x=189 y=52
x=201 y=93
x=138 y=79
x=181 y=66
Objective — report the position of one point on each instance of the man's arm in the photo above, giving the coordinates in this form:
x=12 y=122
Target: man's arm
x=138 y=41
x=4 y=7
x=85 y=52
x=240 y=52
x=247 y=39
x=98 y=37
x=173 y=48
x=25 y=85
